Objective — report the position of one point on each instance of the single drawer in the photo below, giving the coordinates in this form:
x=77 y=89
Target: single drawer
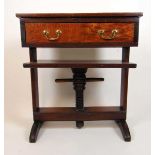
x=79 y=33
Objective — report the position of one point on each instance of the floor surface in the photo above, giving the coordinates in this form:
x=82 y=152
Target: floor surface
x=63 y=138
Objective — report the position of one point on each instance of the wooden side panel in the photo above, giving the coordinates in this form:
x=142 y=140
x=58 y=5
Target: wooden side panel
x=78 y=32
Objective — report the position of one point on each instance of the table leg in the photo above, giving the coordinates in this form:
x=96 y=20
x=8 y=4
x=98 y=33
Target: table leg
x=124 y=129
x=124 y=91
x=34 y=131
x=35 y=95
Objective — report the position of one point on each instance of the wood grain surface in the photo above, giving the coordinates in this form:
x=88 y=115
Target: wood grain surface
x=78 y=32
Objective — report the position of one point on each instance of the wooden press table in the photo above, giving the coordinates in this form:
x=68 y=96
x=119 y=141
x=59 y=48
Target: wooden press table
x=79 y=30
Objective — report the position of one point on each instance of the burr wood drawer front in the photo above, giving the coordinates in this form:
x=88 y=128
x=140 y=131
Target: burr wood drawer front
x=51 y=33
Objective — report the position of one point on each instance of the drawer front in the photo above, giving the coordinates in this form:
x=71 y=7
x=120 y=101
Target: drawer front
x=79 y=33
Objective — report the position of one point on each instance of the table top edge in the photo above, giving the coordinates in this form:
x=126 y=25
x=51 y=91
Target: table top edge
x=78 y=15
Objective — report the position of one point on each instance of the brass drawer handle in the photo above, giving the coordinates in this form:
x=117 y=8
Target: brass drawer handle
x=113 y=34
x=57 y=32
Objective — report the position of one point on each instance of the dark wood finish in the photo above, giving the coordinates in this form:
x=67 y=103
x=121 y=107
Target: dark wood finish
x=35 y=96
x=124 y=78
x=79 y=30
x=136 y=32
x=34 y=131
x=34 y=80
x=124 y=129
x=79 y=82
x=79 y=124
x=71 y=114
x=87 y=80
x=87 y=15
x=82 y=45
x=82 y=20
x=79 y=64
x=23 y=33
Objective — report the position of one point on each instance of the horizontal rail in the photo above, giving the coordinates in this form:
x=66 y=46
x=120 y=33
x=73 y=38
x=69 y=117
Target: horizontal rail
x=71 y=114
x=79 y=64
x=87 y=80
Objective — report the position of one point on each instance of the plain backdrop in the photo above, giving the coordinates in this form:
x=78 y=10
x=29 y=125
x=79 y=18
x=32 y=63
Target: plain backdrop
x=62 y=138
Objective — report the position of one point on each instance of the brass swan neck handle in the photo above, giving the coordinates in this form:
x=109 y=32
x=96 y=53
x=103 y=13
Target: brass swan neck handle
x=113 y=34
x=57 y=32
